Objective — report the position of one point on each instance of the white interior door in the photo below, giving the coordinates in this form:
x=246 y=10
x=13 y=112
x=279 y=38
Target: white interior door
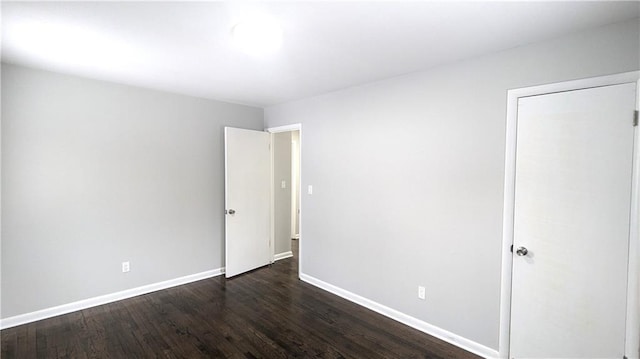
x=247 y=200
x=572 y=207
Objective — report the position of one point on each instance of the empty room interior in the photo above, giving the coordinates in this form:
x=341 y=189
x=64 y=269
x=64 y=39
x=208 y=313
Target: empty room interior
x=330 y=179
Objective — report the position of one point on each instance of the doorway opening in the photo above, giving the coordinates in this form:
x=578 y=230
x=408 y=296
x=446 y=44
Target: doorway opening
x=286 y=186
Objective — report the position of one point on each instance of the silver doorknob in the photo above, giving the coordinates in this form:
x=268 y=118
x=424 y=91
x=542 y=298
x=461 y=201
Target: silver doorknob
x=522 y=251
x=231 y=211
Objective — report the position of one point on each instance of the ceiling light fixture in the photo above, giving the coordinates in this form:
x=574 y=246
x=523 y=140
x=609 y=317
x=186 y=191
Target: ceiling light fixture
x=258 y=35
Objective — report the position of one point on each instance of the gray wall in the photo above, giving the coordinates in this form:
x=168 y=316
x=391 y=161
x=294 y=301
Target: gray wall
x=94 y=174
x=295 y=180
x=282 y=196
x=408 y=177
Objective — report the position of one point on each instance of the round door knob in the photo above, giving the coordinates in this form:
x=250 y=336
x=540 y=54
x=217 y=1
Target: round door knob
x=522 y=251
x=232 y=211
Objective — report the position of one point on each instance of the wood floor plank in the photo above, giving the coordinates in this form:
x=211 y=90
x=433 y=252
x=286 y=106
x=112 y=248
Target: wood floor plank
x=267 y=313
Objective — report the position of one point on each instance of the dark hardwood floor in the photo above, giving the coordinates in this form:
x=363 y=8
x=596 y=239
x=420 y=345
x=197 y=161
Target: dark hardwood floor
x=267 y=313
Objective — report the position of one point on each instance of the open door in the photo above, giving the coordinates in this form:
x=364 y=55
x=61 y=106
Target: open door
x=247 y=200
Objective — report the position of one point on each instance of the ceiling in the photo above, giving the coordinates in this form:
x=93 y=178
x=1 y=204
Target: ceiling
x=185 y=47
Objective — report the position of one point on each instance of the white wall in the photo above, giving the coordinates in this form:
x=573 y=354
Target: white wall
x=94 y=174
x=408 y=177
x=281 y=143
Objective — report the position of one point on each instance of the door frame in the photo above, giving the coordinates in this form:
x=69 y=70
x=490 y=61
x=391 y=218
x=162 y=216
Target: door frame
x=632 y=342
x=278 y=129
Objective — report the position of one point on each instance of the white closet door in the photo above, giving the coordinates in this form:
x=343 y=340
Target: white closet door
x=571 y=225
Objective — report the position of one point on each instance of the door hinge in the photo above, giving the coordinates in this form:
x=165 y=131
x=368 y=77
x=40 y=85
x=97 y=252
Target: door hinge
x=635 y=118
x=512 y=248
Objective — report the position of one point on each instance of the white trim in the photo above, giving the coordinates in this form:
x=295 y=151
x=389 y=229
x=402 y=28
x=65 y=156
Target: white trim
x=300 y=182
x=287 y=128
x=272 y=200
x=226 y=199
x=509 y=184
x=283 y=255
x=625 y=77
x=104 y=299
x=507 y=223
x=418 y=324
x=0 y=208
x=632 y=341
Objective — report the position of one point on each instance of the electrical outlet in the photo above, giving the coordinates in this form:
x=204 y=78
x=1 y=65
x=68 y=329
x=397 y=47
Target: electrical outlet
x=310 y=189
x=283 y=184
x=125 y=267
x=421 y=292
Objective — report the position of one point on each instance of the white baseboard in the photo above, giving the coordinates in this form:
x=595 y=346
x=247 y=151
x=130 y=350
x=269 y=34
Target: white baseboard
x=104 y=299
x=282 y=255
x=422 y=326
